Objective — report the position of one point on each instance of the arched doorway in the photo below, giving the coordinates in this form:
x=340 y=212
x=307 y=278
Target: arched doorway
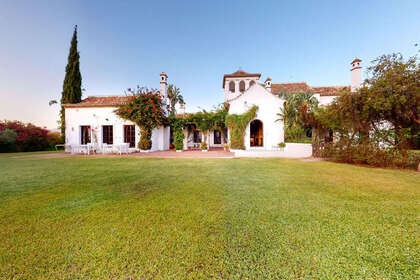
x=256 y=135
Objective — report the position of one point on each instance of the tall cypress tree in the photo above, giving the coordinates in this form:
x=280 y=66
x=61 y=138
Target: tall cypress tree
x=72 y=86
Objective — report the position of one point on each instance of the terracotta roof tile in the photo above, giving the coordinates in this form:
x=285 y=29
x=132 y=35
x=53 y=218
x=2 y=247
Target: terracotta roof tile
x=100 y=101
x=329 y=91
x=289 y=87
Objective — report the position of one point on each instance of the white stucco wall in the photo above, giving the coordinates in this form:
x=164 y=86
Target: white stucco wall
x=96 y=117
x=268 y=107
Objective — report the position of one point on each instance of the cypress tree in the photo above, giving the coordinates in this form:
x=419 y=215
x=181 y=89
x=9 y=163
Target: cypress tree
x=72 y=85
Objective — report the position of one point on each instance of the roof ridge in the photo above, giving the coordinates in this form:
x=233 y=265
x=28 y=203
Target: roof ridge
x=113 y=95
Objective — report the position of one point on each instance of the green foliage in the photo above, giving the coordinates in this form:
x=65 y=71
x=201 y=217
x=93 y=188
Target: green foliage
x=297 y=113
x=380 y=117
x=21 y=137
x=72 y=86
x=203 y=146
x=177 y=124
x=145 y=142
x=146 y=109
x=175 y=97
x=237 y=125
x=281 y=145
x=8 y=136
x=209 y=120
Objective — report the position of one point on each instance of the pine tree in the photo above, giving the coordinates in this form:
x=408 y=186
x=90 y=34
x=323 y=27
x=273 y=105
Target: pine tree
x=72 y=86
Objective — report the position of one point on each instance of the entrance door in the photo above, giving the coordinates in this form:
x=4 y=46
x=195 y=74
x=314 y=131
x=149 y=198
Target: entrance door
x=256 y=139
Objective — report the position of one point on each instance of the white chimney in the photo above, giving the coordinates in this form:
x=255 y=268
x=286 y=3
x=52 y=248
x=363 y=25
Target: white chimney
x=268 y=84
x=181 y=108
x=163 y=85
x=356 y=74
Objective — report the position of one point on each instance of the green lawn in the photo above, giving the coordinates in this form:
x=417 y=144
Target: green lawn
x=143 y=218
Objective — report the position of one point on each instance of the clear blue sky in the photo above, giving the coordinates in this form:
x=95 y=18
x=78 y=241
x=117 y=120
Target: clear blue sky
x=124 y=43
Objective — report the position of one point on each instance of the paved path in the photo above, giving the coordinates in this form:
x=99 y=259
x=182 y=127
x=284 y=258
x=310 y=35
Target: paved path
x=159 y=154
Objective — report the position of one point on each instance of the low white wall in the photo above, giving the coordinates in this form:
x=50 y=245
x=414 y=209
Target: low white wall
x=292 y=150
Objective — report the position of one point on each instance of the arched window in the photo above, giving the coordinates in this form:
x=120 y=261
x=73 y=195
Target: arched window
x=241 y=86
x=232 y=86
x=251 y=83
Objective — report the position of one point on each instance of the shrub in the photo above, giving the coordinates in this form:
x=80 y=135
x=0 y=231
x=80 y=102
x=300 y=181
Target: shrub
x=29 y=137
x=7 y=140
x=179 y=139
x=281 y=145
x=370 y=155
x=203 y=146
x=145 y=142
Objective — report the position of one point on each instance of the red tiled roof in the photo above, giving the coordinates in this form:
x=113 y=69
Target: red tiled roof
x=356 y=60
x=240 y=74
x=289 y=87
x=100 y=101
x=329 y=91
x=302 y=86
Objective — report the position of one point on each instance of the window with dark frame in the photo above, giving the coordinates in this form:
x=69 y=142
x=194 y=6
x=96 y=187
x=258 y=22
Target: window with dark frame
x=85 y=134
x=197 y=136
x=107 y=134
x=130 y=135
x=217 y=137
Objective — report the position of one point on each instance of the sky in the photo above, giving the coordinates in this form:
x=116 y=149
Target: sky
x=127 y=43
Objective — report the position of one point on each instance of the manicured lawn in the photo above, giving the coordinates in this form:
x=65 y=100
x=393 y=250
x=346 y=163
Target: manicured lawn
x=142 y=218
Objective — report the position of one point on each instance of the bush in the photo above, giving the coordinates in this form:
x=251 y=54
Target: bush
x=203 y=146
x=29 y=137
x=145 y=142
x=179 y=139
x=54 y=138
x=281 y=145
x=370 y=155
x=7 y=140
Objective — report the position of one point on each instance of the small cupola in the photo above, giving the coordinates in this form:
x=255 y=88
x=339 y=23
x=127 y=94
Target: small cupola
x=163 y=77
x=267 y=84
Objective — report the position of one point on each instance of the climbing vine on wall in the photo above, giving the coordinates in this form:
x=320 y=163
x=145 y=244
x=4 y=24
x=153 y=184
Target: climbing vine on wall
x=177 y=124
x=237 y=125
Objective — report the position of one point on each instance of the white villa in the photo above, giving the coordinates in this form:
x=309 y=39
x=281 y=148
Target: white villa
x=93 y=119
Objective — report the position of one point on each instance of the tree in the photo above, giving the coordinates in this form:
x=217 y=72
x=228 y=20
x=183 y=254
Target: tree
x=72 y=85
x=146 y=109
x=175 y=96
x=378 y=123
x=297 y=113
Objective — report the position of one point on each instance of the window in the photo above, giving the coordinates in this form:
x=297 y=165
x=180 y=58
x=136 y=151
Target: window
x=241 y=86
x=85 y=134
x=217 y=137
x=197 y=136
x=130 y=135
x=107 y=134
x=232 y=86
x=251 y=83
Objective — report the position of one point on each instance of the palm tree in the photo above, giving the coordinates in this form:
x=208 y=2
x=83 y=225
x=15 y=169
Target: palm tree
x=175 y=96
x=295 y=112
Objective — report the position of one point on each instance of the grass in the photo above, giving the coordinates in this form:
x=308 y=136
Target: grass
x=143 y=218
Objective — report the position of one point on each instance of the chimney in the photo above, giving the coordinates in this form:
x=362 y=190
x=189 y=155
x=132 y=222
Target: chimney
x=268 y=84
x=163 y=85
x=181 y=108
x=356 y=74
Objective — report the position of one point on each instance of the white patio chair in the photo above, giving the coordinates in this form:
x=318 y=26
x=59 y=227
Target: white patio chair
x=106 y=148
x=123 y=148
